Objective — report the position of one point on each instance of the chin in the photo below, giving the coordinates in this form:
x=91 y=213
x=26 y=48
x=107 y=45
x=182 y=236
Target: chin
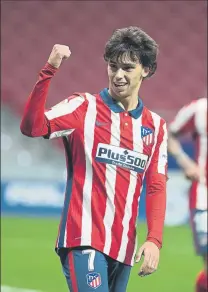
x=122 y=94
x=119 y=94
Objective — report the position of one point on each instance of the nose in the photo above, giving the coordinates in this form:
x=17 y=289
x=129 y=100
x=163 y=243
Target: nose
x=119 y=74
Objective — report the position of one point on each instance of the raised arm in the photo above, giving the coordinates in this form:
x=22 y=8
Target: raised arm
x=34 y=122
x=61 y=119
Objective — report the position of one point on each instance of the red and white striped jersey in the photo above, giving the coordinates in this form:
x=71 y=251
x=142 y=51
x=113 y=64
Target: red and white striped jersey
x=192 y=118
x=109 y=151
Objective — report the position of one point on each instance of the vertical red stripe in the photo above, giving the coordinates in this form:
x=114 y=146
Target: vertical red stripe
x=66 y=150
x=72 y=272
x=132 y=222
x=99 y=196
x=74 y=218
x=122 y=185
x=193 y=189
x=59 y=229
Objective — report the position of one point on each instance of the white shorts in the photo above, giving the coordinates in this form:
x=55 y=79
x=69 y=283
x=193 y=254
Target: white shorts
x=199 y=228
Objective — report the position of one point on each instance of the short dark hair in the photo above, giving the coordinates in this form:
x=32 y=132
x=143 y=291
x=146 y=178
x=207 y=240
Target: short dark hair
x=134 y=42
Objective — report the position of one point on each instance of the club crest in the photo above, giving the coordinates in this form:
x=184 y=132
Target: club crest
x=147 y=135
x=94 y=280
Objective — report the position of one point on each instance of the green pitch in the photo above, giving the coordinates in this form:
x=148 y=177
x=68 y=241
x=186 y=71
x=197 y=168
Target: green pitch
x=28 y=259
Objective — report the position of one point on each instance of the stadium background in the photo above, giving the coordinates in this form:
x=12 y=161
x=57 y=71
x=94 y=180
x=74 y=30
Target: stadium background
x=33 y=172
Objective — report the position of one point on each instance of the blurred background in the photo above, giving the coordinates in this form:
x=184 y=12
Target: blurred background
x=33 y=170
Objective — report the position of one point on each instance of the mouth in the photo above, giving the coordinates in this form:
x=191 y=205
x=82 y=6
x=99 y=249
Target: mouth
x=120 y=85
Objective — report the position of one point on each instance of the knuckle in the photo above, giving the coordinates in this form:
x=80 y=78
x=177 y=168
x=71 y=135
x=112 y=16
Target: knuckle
x=60 y=51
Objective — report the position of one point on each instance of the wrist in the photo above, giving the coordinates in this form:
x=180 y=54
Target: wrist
x=155 y=241
x=182 y=159
x=50 y=68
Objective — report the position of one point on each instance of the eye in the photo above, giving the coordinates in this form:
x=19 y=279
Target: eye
x=113 y=66
x=128 y=69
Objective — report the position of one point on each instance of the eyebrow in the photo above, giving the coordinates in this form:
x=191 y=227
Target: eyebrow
x=124 y=64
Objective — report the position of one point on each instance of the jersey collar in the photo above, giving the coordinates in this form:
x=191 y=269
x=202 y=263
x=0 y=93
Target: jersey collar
x=115 y=107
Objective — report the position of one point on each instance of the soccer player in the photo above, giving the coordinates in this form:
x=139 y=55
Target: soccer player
x=112 y=141
x=192 y=118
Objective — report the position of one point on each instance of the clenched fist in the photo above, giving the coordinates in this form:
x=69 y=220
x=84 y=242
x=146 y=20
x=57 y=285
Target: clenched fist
x=58 y=54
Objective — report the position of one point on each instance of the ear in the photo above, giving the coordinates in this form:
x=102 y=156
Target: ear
x=145 y=71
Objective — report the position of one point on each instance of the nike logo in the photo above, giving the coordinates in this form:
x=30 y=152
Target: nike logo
x=100 y=124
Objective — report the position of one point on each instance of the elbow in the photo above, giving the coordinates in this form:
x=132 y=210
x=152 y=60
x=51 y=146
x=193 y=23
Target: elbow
x=25 y=131
x=31 y=131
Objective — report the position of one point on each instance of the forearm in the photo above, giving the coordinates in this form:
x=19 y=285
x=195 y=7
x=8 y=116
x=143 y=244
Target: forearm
x=34 y=122
x=176 y=150
x=155 y=210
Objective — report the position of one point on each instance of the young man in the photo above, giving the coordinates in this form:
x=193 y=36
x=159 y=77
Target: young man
x=192 y=118
x=112 y=141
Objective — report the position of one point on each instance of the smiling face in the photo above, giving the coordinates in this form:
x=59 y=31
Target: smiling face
x=125 y=77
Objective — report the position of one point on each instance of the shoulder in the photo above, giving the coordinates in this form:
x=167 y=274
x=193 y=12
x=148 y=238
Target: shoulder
x=189 y=110
x=84 y=96
x=202 y=103
x=153 y=117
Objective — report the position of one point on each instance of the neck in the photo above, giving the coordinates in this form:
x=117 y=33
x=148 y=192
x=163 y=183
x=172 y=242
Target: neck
x=129 y=102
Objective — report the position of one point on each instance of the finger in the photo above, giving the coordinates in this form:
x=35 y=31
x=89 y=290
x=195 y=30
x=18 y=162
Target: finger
x=139 y=255
x=151 y=269
x=142 y=269
x=149 y=266
x=143 y=272
x=144 y=266
x=155 y=263
x=66 y=57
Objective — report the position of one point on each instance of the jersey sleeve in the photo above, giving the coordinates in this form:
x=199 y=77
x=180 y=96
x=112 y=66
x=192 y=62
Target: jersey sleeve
x=184 y=120
x=156 y=179
x=60 y=120
x=66 y=116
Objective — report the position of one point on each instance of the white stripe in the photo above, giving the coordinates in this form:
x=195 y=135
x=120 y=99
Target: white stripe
x=147 y=139
x=162 y=157
x=135 y=250
x=66 y=227
x=156 y=121
x=183 y=116
x=87 y=189
x=110 y=183
x=138 y=147
x=62 y=133
x=201 y=126
x=63 y=109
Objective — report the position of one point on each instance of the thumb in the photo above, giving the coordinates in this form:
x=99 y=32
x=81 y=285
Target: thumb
x=139 y=254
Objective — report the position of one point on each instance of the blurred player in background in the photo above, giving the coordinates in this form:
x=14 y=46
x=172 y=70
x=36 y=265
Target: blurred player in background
x=192 y=118
x=112 y=141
